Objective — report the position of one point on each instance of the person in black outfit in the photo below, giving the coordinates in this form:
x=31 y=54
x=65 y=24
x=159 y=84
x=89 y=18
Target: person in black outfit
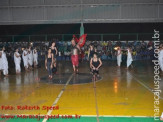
x=95 y=64
x=49 y=62
x=54 y=49
x=54 y=69
x=55 y=52
x=91 y=51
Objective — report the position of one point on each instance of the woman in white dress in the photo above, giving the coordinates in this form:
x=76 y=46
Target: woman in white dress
x=119 y=56
x=35 y=56
x=161 y=57
x=30 y=58
x=17 y=60
x=25 y=58
x=1 y=68
x=4 y=62
x=129 y=57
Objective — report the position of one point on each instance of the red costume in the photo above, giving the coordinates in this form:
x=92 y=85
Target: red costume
x=80 y=42
x=75 y=60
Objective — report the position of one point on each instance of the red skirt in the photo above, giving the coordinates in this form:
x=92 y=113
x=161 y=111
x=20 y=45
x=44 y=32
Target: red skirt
x=75 y=60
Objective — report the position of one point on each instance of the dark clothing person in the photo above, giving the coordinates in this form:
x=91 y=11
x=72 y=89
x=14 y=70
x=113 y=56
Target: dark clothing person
x=54 y=53
x=95 y=64
x=91 y=53
x=49 y=62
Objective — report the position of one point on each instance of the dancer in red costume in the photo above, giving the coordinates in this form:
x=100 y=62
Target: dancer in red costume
x=76 y=48
x=75 y=55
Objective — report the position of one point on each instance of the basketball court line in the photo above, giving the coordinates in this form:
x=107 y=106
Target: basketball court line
x=58 y=97
x=60 y=94
x=96 y=101
x=147 y=87
x=86 y=83
x=77 y=83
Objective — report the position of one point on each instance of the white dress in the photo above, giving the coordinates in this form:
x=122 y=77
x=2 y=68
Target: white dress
x=119 y=58
x=4 y=63
x=1 y=65
x=17 y=61
x=129 y=58
x=161 y=59
x=30 y=58
x=35 y=56
x=25 y=58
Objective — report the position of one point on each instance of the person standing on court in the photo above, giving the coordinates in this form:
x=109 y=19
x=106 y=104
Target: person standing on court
x=17 y=60
x=91 y=51
x=129 y=57
x=30 y=58
x=75 y=55
x=55 y=52
x=25 y=58
x=95 y=64
x=49 y=62
x=119 y=56
x=4 y=62
x=1 y=65
x=35 y=57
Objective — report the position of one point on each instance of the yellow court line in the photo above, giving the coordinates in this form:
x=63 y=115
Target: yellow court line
x=58 y=97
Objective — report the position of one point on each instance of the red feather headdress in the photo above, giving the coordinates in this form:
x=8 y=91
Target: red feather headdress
x=81 y=40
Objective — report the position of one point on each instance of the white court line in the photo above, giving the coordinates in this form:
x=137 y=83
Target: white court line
x=87 y=83
x=58 y=97
x=150 y=89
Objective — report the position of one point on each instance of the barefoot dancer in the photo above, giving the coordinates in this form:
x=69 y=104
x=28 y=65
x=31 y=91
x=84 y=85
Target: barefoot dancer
x=4 y=62
x=74 y=55
x=1 y=65
x=119 y=57
x=30 y=58
x=129 y=58
x=55 y=52
x=49 y=63
x=54 y=69
x=17 y=60
x=95 y=64
x=35 y=57
x=25 y=58
x=75 y=50
x=91 y=51
x=54 y=49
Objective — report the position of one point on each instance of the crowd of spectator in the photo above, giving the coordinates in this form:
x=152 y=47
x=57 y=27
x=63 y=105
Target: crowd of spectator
x=141 y=50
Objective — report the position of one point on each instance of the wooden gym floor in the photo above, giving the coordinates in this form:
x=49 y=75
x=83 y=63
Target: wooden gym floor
x=118 y=93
